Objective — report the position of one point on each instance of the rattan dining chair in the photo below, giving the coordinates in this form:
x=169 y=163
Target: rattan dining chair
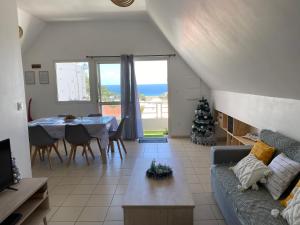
x=78 y=136
x=117 y=137
x=43 y=143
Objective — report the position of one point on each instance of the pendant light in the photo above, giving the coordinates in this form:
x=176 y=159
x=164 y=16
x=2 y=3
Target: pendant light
x=20 y=32
x=123 y=3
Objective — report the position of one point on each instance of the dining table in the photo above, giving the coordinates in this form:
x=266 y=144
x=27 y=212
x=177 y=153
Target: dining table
x=96 y=127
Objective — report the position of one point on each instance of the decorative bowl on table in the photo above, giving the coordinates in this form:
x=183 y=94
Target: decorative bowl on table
x=69 y=118
x=159 y=171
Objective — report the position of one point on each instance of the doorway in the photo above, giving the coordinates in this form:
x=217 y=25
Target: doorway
x=152 y=84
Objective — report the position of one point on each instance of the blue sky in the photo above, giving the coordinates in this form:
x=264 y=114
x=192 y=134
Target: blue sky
x=147 y=72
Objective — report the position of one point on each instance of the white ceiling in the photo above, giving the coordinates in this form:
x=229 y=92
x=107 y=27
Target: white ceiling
x=248 y=46
x=70 y=10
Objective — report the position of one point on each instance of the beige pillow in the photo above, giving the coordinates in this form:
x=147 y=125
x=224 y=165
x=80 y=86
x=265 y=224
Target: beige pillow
x=249 y=171
x=292 y=212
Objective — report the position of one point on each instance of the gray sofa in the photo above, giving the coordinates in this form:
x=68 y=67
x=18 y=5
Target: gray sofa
x=249 y=207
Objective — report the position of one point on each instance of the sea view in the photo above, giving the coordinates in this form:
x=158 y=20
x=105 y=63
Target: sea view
x=145 y=89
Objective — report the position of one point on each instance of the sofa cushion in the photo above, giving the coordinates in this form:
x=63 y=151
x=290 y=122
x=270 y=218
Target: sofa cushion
x=282 y=144
x=252 y=207
x=250 y=170
x=263 y=152
x=285 y=201
x=284 y=170
x=292 y=212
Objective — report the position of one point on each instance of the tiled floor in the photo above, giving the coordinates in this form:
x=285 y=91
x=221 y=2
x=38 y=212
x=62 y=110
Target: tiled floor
x=92 y=195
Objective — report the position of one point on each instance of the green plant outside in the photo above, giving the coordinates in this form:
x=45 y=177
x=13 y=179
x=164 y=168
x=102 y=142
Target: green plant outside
x=155 y=133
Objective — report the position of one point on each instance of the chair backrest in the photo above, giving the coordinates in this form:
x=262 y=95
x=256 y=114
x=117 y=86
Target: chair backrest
x=95 y=115
x=77 y=134
x=120 y=127
x=38 y=136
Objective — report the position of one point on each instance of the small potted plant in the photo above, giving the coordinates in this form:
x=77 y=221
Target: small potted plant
x=159 y=171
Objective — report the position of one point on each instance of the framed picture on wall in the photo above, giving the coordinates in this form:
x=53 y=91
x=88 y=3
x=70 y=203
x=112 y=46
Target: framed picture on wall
x=44 y=77
x=29 y=77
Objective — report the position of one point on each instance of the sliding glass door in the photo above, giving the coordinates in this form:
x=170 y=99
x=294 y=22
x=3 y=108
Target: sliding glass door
x=152 y=84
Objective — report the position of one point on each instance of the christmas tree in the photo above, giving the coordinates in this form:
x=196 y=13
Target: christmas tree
x=203 y=129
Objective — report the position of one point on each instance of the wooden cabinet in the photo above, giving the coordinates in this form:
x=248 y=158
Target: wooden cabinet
x=234 y=129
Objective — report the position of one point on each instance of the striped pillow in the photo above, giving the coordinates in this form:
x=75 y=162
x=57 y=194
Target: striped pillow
x=284 y=170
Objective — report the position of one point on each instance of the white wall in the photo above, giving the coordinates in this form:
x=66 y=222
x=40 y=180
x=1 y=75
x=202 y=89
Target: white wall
x=13 y=123
x=76 y=40
x=277 y=114
x=32 y=26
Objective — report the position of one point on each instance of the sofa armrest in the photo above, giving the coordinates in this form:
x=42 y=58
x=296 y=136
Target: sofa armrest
x=229 y=154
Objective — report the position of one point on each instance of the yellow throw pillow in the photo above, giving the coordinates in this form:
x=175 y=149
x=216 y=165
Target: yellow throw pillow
x=285 y=201
x=263 y=152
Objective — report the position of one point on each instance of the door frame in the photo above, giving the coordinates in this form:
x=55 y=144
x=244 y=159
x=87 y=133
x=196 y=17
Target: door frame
x=159 y=58
x=114 y=60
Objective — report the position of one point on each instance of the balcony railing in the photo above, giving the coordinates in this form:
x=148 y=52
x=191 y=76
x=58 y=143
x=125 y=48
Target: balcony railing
x=149 y=109
x=154 y=110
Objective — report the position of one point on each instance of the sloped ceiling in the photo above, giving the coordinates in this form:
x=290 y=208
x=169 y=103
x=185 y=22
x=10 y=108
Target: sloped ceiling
x=32 y=27
x=78 y=10
x=248 y=46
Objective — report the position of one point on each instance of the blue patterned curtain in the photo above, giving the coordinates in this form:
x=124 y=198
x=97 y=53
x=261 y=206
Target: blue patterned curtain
x=130 y=104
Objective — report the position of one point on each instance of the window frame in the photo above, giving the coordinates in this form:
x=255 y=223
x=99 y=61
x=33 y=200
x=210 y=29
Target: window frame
x=99 y=97
x=90 y=83
x=170 y=93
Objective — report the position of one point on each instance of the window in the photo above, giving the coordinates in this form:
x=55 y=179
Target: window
x=110 y=88
x=110 y=82
x=73 y=81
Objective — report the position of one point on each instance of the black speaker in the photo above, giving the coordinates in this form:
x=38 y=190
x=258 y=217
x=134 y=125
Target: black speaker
x=12 y=219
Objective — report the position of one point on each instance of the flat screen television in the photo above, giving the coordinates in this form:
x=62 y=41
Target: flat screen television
x=6 y=171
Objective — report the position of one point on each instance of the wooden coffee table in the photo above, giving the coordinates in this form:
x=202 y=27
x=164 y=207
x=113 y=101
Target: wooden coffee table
x=158 y=202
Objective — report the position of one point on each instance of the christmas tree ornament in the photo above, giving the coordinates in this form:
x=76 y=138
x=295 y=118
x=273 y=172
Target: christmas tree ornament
x=16 y=172
x=203 y=129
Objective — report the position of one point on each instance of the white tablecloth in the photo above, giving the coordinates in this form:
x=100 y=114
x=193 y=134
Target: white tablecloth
x=96 y=126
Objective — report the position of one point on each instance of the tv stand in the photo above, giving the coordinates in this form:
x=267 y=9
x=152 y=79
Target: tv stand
x=12 y=189
x=30 y=200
